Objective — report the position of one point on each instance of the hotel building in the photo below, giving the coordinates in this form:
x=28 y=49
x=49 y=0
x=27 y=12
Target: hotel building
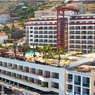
x=37 y=77
x=76 y=79
x=81 y=33
x=50 y=29
x=42 y=31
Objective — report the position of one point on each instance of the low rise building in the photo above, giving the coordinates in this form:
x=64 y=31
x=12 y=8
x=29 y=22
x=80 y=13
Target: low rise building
x=4 y=18
x=3 y=37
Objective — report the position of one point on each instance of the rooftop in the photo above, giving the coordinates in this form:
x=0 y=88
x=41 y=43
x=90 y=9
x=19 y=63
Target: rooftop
x=3 y=35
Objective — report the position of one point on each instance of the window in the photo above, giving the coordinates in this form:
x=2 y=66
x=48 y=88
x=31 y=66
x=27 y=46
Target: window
x=40 y=32
x=72 y=41
x=77 y=32
x=45 y=32
x=83 y=32
x=31 y=31
x=77 y=80
x=31 y=39
x=31 y=27
x=90 y=32
x=55 y=32
x=55 y=85
x=71 y=32
x=77 y=42
x=90 y=27
x=77 y=37
x=83 y=27
x=50 y=27
x=31 y=35
x=90 y=42
x=55 y=27
x=90 y=37
x=45 y=36
x=71 y=37
x=77 y=27
x=71 y=27
x=50 y=32
x=40 y=28
x=70 y=76
x=83 y=42
x=83 y=37
x=70 y=87
x=36 y=32
x=55 y=75
x=45 y=27
x=35 y=28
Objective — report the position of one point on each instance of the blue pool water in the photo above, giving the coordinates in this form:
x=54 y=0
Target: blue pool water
x=32 y=53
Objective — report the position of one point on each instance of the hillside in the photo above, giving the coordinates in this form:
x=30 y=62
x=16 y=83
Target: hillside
x=25 y=10
x=89 y=7
x=4 y=6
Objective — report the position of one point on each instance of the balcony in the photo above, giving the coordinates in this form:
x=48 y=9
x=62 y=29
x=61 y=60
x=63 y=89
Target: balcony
x=43 y=84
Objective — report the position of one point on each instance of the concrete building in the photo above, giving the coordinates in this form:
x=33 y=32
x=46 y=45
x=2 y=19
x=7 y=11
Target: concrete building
x=42 y=31
x=45 y=12
x=81 y=33
x=50 y=29
x=41 y=78
x=4 y=18
x=3 y=37
x=81 y=77
x=77 y=78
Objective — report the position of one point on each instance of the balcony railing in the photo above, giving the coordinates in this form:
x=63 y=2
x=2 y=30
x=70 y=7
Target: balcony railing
x=25 y=80
x=34 y=73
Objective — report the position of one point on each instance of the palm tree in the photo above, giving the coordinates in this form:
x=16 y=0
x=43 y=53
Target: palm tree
x=59 y=52
x=15 y=48
x=34 y=49
x=50 y=51
x=24 y=48
x=46 y=49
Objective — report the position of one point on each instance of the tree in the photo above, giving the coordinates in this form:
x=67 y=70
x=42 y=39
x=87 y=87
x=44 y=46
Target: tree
x=50 y=51
x=6 y=29
x=22 y=24
x=14 y=47
x=24 y=48
x=59 y=52
x=46 y=50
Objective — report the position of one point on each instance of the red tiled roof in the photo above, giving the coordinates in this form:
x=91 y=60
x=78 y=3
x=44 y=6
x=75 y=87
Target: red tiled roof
x=3 y=35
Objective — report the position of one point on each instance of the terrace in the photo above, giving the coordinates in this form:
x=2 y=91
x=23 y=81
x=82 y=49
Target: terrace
x=38 y=59
x=72 y=60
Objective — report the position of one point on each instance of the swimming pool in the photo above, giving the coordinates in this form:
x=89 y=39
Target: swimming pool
x=32 y=53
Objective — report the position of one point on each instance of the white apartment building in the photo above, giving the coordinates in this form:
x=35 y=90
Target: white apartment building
x=45 y=12
x=76 y=79
x=38 y=77
x=4 y=18
x=3 y=37
x=78 y=83
x=81 y=33
x=42 y=31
